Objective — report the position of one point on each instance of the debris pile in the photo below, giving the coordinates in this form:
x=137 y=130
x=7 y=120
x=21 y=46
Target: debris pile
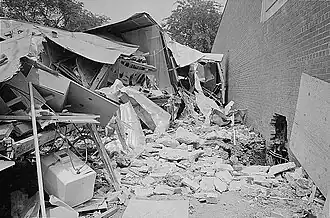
x=119 y=129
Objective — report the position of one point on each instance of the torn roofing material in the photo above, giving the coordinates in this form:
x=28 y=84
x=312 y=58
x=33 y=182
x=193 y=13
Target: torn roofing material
x=13 y=49
x=212 y=57
x=182 y=54
x=90 y=46
x=137 y=21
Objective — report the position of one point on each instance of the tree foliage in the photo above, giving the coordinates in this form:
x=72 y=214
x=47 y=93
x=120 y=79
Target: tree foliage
x=65 y=14
x=194 y=23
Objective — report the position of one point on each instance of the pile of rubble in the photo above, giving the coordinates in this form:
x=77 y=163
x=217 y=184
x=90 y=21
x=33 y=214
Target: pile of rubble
x=202 y=163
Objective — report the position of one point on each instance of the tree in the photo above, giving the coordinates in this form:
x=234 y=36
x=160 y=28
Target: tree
x=194 y=23
x=64 y=14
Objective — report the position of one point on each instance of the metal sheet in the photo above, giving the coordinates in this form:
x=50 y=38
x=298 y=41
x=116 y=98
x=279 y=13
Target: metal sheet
x=183 y=55
x=137 y=21
x=212 y=57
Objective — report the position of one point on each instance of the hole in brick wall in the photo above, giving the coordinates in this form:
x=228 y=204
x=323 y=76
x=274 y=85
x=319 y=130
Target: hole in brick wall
x=277 y=151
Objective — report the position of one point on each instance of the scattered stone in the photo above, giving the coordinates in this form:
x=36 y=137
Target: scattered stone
x=184 y=136
x=168 y=142
x=236 y=185
x=219 y=185
x=143 y=192
x=158 y=174
x=281 y=168
x=163 y=190
x=224 y=176
x=208 y=171
x=173 y=180
x=212 y=198
x=183 y=146
x=191 y=184
x=174 y=154
x=222 y=166
x=147 y=181
x=143 y=169
x=274 y=214
x=255 y=170
x=207 y=184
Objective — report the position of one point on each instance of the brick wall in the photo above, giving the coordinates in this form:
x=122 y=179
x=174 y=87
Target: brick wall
x=266 y=60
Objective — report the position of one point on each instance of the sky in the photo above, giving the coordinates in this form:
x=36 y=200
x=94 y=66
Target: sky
x=119 y=10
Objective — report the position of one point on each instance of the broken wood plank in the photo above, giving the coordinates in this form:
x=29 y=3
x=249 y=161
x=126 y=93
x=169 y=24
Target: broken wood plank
x=56 y=118
x=82 y=100
x=5 y=130
x=25 y=145
x=14 y=101
x=109 y=213
x=100 y=77
x=104 y=155
x=312 y=196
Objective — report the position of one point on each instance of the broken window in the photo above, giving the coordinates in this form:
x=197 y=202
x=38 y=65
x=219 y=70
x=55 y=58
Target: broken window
x=269 y=7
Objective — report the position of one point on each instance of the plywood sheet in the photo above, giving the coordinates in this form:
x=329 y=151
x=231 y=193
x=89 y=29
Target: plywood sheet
x=310 y=137
x=161 y=209
x=83 y=100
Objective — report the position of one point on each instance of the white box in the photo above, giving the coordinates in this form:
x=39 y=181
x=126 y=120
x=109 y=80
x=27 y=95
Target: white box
x=61 y=180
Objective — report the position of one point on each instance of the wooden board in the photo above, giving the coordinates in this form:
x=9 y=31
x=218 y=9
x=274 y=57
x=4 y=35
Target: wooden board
x=25 y=145
x=82 y=100
x=310 y=137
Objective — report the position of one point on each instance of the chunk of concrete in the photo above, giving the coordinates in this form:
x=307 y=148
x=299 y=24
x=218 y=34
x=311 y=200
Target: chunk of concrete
x=224 y=176
x=174 y=154
x=168 y=142
x=184 y=136
x=255 y=170
x=143 y=192
x=219 y=185
x=147 y=181
x=207 y=184
x=163 y=190
x=191 y=184
x=236 y=185
x=222 y=166
x=279 y=168
x=211 y=198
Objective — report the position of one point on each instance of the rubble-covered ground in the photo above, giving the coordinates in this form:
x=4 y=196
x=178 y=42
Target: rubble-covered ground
x=201 y=164
x=219 y=175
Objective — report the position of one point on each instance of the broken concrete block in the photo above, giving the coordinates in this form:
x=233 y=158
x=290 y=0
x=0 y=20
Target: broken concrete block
x=207 y=184
x=212 y=198
x=168 y=142
x=158 y=174
x=183 y=146
x=147 y=181
x=184 y=136
x=174 y=154
x=219 y=185
x=281 y=168
x=191 y=184
x=255 y=170
x=163 y=190
x=208 y=171
x=224 y=176
x=236 y=185
x=200 y=195
x=222 y=166
x=143 y=192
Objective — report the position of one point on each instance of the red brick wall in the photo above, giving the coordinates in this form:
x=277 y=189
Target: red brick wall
x=266 y=60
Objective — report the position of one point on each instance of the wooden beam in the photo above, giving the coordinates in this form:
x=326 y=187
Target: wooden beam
x=25 y=145
x=100 y=77
x=104 y=155
x=37 y=153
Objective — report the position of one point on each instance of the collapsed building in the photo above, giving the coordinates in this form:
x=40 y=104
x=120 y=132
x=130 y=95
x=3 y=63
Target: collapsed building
x=126 y=112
